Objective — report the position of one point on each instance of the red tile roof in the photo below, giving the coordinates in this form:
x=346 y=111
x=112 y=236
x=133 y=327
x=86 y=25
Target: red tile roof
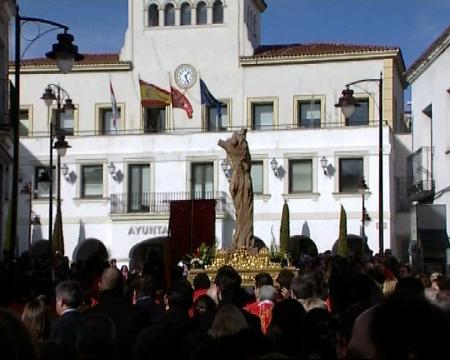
x=294 y=50
x=89 y=59
x=428 y=53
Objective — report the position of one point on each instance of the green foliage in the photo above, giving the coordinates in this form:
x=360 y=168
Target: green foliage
x=284 y=229
x=203 y=255
x=343 y=248
x=276 y=254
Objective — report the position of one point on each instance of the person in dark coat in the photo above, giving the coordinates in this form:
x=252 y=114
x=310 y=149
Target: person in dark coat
x=144 y=294
x=128 y=319
x=163 y=339
x=69 y=296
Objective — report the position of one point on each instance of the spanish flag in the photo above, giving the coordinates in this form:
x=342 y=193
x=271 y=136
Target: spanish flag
x=151 y=95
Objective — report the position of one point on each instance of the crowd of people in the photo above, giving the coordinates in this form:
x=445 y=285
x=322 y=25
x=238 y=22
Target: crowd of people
x=330 y=307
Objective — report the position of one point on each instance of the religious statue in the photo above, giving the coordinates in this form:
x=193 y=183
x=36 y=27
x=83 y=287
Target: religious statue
x=241 y=189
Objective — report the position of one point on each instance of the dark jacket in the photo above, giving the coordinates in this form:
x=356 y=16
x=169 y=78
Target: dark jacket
x=63 y=330
x=164 y=338
x=128 y=319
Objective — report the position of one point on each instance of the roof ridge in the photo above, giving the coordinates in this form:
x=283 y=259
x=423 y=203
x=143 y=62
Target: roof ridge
x=429 y=51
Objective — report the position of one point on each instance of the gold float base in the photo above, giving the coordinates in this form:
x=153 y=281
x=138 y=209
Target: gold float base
x=247 y=263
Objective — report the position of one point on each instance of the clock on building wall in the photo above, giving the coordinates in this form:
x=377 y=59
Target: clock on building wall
x=185 y=76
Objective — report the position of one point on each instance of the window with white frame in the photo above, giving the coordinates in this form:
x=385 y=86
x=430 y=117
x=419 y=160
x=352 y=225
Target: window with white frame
x=154 y=119
x=361 y=114
x=42 y=179
x=138 y=187
x=153 y=15
x=169 y=15
x=202 y=13
x=92 y=181
x=262 y=115
x=300 y=176
x=217 y=12
x=24 y=121
x=309 y=113
x=108 y=125
x=202 y=179
x=351 y=171
x=214 y=122
x=185 y=14
x=257 y=174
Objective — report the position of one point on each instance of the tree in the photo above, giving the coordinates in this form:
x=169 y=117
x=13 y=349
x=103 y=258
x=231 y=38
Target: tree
x=284 y=229
x=343 y=248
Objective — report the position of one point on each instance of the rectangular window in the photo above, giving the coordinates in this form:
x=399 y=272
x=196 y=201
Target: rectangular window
x=42 y=181
x=66 y=122
x=361 y=115
x=24 y=118
x=202 y=180
x=300 y=176
x=309 y=113
x=257 y=174
x=213 y=121
x=139 y=187
x=92 y=181
x=107 y=125
x=155 y=120
x=262 y=116
x=351 y=171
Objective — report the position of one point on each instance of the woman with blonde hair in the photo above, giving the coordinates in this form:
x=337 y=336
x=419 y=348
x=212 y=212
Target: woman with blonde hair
x=36 y=318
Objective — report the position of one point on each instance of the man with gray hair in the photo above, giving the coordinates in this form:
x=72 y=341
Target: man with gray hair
x=69 y=296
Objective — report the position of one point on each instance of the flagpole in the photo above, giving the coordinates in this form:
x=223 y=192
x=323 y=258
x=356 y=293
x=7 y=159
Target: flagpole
x=172 y=120
x=202 y=107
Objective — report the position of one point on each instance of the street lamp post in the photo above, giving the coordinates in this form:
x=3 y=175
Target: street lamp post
x=348 y=103
x=65 y=53
x=60 y=145
x=362 y=189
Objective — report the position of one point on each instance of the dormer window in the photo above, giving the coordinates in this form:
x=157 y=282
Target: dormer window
x=153 y=15
x=202 y=17
x=185 y=17
x=169 y=15
x=217 y=12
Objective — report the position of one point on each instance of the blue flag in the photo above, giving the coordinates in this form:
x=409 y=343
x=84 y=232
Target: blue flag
x=208 y=99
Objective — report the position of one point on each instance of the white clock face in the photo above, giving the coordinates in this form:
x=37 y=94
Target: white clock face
x=185 y=76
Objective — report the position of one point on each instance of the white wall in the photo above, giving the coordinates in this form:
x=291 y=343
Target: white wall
x=214 y=51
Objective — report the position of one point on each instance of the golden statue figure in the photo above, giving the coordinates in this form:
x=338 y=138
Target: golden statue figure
x=241 y=189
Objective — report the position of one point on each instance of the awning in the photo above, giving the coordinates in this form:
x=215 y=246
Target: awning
x=434 y=238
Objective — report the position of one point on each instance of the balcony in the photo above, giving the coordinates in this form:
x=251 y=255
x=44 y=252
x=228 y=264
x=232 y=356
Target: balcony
x=159 y=203
x=420 y=184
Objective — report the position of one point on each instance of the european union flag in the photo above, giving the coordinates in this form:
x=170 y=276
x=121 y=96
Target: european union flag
x=208 y=99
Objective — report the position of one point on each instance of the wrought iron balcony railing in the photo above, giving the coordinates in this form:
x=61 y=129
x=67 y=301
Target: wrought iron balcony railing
x=159 y=203
x=420 y=184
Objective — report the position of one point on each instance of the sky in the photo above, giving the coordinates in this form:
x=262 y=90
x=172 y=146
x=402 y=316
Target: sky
x=99 y=25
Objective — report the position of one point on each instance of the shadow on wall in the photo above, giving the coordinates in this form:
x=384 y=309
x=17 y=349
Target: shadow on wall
x=305 y=230
x=81 y=233
x=227 y=232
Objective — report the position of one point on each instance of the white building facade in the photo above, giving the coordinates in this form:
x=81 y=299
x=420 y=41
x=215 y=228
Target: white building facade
x=429 y=185
x=285 y=96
